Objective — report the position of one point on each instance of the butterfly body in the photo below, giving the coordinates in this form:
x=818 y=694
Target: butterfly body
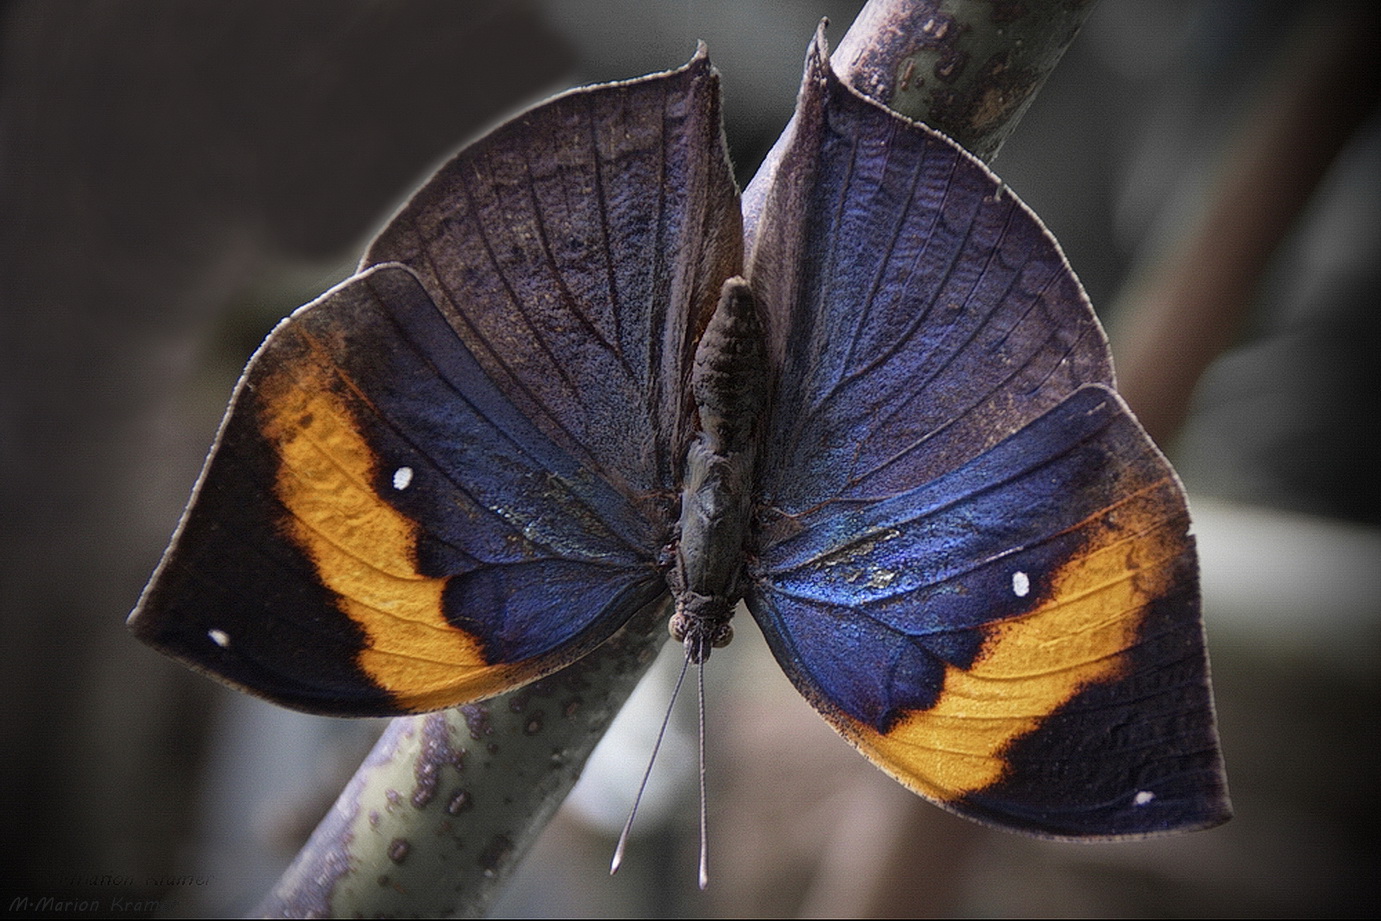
x=730 y=388
x=560 y=389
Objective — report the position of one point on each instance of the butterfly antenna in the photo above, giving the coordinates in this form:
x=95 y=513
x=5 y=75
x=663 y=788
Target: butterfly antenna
x=704 y=834
x=628 y=826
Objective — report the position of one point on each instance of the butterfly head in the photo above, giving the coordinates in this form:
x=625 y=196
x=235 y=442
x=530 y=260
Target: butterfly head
x=701 y=623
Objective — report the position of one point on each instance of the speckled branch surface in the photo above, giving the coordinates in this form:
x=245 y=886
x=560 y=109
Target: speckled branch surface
x=446 y=804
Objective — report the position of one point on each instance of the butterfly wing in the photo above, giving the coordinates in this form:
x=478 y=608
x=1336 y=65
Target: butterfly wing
x=598 y=229
x=379 y=530
x=421 y=497
x=970 y=558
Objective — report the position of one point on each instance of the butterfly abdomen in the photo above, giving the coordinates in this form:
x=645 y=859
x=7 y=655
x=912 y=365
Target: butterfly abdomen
x=730 y=376
x=730 y=383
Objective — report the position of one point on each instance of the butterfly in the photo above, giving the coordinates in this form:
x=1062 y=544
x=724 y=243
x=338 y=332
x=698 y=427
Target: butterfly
x=561 y=388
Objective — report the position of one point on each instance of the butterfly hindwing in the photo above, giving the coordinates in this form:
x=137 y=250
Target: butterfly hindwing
x=379 y=530
x=1019 y=639
x=969 y=558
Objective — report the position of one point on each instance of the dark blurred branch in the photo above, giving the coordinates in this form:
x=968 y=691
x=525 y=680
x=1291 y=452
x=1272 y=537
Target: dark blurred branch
x=1187 y=303
x=967 y=68
x=448 y=803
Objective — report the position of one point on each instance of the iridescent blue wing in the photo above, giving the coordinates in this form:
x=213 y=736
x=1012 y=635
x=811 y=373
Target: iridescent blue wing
x=969 y=557
x=421 y=497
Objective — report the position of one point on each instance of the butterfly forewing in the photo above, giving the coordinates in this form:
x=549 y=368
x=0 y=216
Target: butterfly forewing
x=578 y=250
x=969 y=556
x=918 y=311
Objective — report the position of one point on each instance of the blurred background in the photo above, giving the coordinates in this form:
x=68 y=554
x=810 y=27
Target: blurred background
x=174 y=178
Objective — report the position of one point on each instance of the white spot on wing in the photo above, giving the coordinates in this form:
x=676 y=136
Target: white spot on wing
x=1021 y=584
x=1143 y=797
x=402 y=477
x=219 y=637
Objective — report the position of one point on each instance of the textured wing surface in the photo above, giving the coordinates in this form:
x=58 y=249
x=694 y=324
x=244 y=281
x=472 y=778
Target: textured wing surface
x=443 y=480
x=380 y=530
x=577 y=251
x=969 y=556
x=918 y=311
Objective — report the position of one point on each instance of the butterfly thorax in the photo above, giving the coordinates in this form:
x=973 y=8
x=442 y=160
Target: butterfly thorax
x=729 y=384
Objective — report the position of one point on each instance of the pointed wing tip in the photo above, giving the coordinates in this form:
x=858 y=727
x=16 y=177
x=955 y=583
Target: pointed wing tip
x=699 y=64
x=138 y=622
x=819 y=43
x=818 y=54
x=1220 y=814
